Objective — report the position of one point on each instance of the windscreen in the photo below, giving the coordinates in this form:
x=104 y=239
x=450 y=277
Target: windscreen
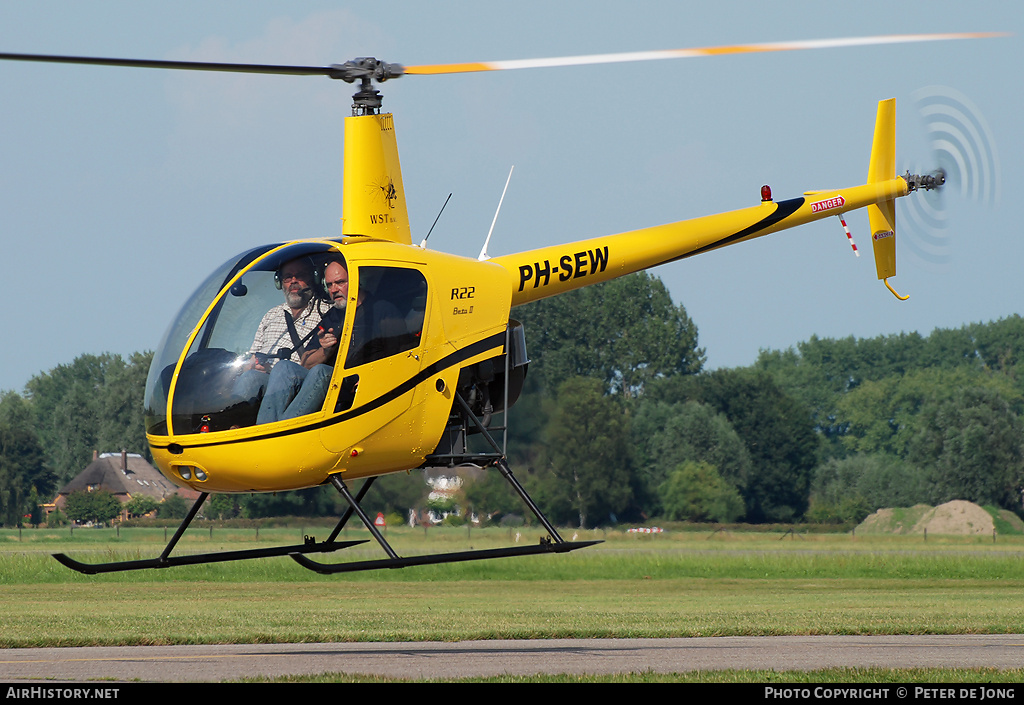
x=265 y=319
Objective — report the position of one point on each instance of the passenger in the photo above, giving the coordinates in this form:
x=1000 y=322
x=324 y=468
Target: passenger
x=323 y=349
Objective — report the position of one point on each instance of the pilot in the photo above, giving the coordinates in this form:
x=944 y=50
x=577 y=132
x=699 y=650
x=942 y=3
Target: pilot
x=284 y=331
x=295 y=390
x=285 y=327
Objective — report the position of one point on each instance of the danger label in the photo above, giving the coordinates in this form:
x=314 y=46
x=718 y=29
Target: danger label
x=882 y=234
x=828 y=204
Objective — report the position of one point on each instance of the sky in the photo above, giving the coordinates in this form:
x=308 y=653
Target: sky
x=122 y=188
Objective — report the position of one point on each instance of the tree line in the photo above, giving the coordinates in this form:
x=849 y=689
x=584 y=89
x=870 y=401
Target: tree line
x=826 y=431
x=620 y=421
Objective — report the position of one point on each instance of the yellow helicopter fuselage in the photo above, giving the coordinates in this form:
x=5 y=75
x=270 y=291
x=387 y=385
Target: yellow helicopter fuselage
x=389 y=413
x=400 y=403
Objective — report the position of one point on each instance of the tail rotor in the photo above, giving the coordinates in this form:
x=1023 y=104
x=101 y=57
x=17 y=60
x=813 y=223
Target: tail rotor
x=964 y=152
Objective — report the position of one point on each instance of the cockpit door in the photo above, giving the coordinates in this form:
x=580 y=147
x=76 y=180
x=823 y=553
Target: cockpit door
x=378 y=369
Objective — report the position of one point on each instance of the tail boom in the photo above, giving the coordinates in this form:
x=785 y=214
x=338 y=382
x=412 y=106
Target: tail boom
x=553 y=270
x=548 y=271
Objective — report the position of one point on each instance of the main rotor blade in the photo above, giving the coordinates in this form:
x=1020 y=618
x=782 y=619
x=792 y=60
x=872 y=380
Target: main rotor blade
x=371 y=68
x=432 y=69
x=185 y=65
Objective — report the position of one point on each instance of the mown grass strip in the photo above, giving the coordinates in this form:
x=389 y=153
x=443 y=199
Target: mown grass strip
x=985 y=677
x=195 y=612
x=670 y=585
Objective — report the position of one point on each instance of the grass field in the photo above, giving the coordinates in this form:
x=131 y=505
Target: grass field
x=677 y=583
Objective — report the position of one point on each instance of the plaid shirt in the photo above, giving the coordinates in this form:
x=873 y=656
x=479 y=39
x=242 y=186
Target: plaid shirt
x=272 y=333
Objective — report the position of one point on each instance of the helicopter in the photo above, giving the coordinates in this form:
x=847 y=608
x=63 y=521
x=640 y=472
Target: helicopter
x=424 y=346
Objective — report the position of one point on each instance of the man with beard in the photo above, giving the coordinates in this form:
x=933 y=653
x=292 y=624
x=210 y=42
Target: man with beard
x=293 y=389
x=278 y=345
x=287 y=325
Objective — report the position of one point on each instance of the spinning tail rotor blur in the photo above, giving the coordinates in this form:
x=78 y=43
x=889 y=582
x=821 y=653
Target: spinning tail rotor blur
x=963 y=149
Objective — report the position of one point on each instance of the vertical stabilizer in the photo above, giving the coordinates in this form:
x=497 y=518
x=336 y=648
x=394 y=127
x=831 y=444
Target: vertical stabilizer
x=882 y=215
x=374 y=198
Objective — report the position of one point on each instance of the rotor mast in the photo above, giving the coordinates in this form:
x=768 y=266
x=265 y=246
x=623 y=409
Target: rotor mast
x=373 y=197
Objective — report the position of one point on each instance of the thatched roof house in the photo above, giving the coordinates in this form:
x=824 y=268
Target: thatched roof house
x=124 y=475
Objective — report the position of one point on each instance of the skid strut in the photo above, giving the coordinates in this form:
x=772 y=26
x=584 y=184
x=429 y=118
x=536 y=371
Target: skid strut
x=553 y=543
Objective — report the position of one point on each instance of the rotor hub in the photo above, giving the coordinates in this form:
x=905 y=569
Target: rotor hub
x=367 y=100
x=926 y=182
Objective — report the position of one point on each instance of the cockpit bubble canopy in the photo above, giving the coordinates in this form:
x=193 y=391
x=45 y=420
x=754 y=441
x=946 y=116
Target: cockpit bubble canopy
x=210 y=342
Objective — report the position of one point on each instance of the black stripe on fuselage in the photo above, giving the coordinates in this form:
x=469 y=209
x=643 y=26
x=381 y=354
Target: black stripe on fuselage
x=444 y=363
x=783 y=210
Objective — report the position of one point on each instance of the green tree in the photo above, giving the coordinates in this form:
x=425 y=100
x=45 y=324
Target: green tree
x=1000 y=346
x=624 y=332
x=121 y=410
x=312 y=502
x=393 y=493
x=667 y=435
x=24 y=475
x=848 y=489
x=775 y=428
x=491 y=496
x=821 y=372
x=883 y=416
x=972 y=444
x=140 y=505
x=396 y=493
x=696 y=492
x=99 y=506
x=173 y=507
x=587 y=471
x=95 y=401
x=222 y=506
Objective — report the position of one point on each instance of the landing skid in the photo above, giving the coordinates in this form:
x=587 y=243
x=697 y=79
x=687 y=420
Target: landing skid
x=456 y=557
x=165 y=560
x=197 y=559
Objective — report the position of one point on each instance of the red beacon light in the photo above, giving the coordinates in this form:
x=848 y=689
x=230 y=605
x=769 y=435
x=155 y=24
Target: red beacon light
x=766 y=193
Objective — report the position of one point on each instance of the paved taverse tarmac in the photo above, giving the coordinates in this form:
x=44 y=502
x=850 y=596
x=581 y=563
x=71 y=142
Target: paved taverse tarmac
x=426 y=660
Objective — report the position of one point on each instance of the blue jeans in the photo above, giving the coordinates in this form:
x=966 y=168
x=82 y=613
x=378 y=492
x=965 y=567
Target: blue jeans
x=294 y=391
x=250 y=385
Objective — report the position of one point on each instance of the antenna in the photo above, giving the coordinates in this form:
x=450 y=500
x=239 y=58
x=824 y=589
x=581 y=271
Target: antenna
x=483 y=252
x=424 y=243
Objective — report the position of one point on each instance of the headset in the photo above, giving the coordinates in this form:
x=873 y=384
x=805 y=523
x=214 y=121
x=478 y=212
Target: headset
x=306 y=260
x=321 y=272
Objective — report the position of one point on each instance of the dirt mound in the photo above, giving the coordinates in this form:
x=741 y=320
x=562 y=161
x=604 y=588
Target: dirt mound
x=957 y=517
